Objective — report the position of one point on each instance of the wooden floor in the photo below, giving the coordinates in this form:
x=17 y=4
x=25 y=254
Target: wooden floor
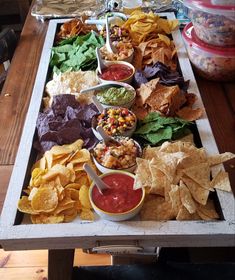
x=32 y=265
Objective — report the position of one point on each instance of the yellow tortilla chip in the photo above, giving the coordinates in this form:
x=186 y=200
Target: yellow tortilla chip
x=84 y=197
x=45 y=200
x=47 y=219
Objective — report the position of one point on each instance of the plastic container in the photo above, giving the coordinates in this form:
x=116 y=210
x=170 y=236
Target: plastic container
x=213 y=63
x=214 y=24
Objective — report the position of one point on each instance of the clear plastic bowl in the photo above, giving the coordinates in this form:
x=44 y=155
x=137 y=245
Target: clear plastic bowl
x=214 y=23
x=212 y=63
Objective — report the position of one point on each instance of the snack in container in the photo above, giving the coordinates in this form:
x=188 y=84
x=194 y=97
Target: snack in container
x=125 y=52
x=116 y=94
x=115 y=121
x=113 y=157
x=214 y=23
x=120 y=202
x=119 y=71
x=213 y=63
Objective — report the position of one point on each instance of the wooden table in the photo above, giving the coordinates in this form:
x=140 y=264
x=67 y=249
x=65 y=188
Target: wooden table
x=219 y=101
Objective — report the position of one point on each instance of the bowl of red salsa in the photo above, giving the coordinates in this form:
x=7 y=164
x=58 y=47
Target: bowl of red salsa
x=120 y=71
x=120 y=202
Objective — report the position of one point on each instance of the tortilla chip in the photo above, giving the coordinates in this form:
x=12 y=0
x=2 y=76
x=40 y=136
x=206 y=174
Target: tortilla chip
x=217 y=159
x=186 y=198
x=189 y=114
x=157 y=209
x=143 y=174
x=221 y=181
x=184 y=215
x=207 y=212
x=198 y=193
x=200 y=174
x=175 y=199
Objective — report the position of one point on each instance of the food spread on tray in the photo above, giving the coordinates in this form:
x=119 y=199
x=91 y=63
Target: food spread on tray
x=173 y=170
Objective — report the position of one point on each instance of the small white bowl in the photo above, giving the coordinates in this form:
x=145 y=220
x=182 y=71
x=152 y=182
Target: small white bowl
x=118 y=85
x=127 y=80
x=127 y=133
x=127 y=59
x=103 y=169
x=116 y=217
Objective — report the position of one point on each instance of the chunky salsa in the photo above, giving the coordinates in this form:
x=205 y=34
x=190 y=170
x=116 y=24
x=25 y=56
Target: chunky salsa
x=115 y=96
x=117 y=157
x=116 y=121
x=116 y=72
x=120 y=197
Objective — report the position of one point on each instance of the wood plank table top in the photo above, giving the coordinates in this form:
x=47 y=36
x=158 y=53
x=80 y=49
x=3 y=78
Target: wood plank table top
x=218 y=98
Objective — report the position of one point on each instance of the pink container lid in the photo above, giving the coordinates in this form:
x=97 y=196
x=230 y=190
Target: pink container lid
x=191 y=38
x=208 y=6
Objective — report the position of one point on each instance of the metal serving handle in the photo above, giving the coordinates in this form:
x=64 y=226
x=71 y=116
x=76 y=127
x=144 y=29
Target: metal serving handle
x=123 y=249
x=117 y=249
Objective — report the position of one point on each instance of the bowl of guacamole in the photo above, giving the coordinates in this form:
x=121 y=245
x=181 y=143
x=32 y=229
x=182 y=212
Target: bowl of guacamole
x=116 y=95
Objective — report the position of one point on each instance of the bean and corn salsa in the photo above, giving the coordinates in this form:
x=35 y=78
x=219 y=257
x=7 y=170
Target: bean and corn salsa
x=115 y=121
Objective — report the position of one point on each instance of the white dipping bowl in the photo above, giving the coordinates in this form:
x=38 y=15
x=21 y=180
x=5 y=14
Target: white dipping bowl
x=127 y=80
x=119 y=85
x=116 y=217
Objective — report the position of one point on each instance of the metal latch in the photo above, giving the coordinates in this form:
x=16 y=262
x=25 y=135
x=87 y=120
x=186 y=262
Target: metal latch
x=117 y=249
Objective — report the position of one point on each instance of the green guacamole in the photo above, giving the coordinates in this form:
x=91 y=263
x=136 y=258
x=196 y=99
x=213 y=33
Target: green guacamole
x=115 y=96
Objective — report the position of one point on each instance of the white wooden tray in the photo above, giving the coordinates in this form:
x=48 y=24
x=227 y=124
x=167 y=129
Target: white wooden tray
x=18 y=235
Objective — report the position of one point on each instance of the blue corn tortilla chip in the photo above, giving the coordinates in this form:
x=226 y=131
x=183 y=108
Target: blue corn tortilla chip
x=167 y=76
x=65 y=122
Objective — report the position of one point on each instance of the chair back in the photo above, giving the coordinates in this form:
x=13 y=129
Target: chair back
x=8 y=42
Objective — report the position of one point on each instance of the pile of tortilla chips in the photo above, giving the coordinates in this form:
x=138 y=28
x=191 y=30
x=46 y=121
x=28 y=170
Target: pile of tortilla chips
x=58 y=189
x=158 y=49
x=74 y=27
x=177 y=177
x=71 y=83
x=146 y=26
x=168 y=100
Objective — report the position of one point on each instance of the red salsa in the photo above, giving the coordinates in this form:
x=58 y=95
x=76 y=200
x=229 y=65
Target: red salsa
x=120 y=197
x=116 y=72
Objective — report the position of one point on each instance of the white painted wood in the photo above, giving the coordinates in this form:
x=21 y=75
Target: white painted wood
x=87 y=234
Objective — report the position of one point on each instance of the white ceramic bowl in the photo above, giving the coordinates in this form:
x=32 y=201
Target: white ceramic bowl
x=118 y=85
x=127 y=59
x=116 y=217
x=127 y=133
x=104 y=169
x=127 y=80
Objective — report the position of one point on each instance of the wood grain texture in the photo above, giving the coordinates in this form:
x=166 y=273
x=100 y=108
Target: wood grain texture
x=26 y=273
x=39 y=258
x=18 y=87
x=219 y=101
x=5 y=173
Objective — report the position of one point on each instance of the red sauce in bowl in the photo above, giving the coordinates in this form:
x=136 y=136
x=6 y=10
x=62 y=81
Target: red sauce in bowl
x=116 y=72
x=120 y=197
